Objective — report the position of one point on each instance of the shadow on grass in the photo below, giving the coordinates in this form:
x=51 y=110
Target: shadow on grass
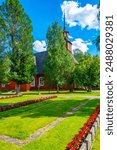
x=68 y=92
x=49 y=108
x=7 y=94
x=65 y=92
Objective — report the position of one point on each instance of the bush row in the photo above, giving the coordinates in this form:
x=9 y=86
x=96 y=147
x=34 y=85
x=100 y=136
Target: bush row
x=11 y=96
x=80 y=137
x=20 y=104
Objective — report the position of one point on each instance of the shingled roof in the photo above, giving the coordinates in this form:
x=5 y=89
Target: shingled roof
x=40 y=61
x=41 y=57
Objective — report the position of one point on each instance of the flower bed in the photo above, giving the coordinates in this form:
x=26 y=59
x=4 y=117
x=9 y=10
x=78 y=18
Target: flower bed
x=79 y=138
x=20 y=104
x=11 y=96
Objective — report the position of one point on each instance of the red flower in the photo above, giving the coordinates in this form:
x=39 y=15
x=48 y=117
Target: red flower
x=78 y=139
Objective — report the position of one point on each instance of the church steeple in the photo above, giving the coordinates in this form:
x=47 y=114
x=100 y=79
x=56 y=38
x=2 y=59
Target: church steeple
x=65 y=32
x=64 y=28
x=66 y=37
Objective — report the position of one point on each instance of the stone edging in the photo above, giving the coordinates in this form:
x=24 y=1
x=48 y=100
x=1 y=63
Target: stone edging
x=87 y=144
x=20 y=104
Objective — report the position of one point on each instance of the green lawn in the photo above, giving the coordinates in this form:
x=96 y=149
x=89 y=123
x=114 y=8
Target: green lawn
x=79 y=92
x=34 y=94
x=24 y=121
x=26 y=96
x=58 y=137
x=64 y=131
x=96 y=142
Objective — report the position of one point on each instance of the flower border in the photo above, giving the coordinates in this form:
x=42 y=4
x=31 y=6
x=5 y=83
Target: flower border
x=20 y=104
x=79 y=138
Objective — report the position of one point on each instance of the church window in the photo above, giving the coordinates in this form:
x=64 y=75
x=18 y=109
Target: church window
x=33 y=82
x=2 y=84
x=41 y=81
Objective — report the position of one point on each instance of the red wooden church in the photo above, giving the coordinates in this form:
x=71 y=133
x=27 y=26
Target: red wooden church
x=40 y=58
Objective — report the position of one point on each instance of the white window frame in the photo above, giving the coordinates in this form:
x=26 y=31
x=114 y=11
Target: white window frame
x=40 y=81
x=2 y=85
x=35 y=60
x=33 y=82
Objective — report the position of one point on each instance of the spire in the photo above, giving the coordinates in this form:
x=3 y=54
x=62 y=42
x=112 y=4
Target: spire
x=64 y=23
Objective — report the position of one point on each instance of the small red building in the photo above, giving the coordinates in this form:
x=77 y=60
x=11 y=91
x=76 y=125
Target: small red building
x=40 y=58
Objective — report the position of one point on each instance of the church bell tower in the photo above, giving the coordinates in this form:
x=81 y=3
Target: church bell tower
x=66 y=37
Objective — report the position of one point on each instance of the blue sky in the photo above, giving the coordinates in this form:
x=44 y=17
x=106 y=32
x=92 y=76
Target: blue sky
x=80 y=21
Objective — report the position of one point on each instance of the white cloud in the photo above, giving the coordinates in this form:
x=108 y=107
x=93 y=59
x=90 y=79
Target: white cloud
x=81 y=44
x=70 y=37
x=39 y=46
x=82 y=16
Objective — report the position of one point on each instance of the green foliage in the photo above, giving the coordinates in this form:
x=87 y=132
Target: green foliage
x=4 y=60
x=4 y=69
x=16 y=30
x=59 y=65
x=97 y=40
x=87 y=73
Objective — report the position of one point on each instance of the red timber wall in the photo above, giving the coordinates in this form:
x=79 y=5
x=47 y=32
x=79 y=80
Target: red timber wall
x=26 y=87
x=11 y=86
x=45 y=87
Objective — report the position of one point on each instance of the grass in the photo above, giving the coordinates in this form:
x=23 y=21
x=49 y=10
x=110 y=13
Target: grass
x=96 y=142
x=7 y=146
x=63 y=133
x=58 y=137
x=79 y=92
x=26 y=96
x=34 y=94
x=24 y=121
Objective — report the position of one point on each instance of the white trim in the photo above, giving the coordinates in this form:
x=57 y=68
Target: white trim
x=2 y=85
x=33 y=82
x=35 y=60
x=41 y=83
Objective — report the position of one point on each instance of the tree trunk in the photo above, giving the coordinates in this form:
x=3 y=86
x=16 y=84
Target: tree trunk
x=89 y=89
x=38 y=89
x=18 y=89
x=57 y=89
x=71 y=88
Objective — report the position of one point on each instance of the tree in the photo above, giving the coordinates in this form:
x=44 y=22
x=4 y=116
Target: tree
x=4 y=68
x=87 y=73
x=59 y=64
x=4 y=60
x=92 y=71
x=78 y=54
x=97 y=40
x=19 y=41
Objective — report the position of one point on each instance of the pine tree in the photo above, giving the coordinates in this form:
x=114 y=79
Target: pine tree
x=18 y=38
x=59 y=64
